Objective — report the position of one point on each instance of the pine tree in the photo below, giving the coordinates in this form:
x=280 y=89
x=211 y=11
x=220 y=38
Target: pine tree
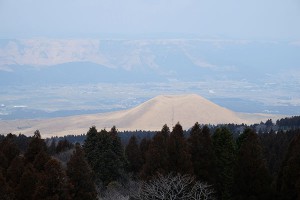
x=252 y=179
x=156 y=160
x=202 y=154
x=81 y=176
x=36 y=145
x=224 y=149
x=178 y=154
x=288 y=184
x=134 y=156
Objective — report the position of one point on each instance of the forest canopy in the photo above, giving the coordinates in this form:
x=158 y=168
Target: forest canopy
x=209 y=162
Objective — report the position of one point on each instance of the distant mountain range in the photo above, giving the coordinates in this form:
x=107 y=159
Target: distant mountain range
x=243 y=75
x=48 y=61
x=150 y=115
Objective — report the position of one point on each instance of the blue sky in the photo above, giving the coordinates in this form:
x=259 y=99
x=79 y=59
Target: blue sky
x=249 y=19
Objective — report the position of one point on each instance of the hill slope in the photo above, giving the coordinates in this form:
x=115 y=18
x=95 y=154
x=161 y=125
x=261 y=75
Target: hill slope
x=151 y=115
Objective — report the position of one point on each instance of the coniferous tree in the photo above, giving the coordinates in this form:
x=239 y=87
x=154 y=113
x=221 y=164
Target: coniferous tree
x=242 y=137
x=156 y=160
x=118 y=149
x=134 y=156
x=144 y=146
x=81 y=176
x=224 y=149
x=53 y=183
x=27 y=185
x=252 y=179
x=90 y=145
x=275 y=148
x=36 y=145
x=4 y=162
x=178 y=154
x=5 y=191
x=15 y=171
x=9 y=148
x=40 y=160
x=9 y=152
x=288 y=184
x=105 y=154
x=202 y=153
x=63 y=145
x=165 y=131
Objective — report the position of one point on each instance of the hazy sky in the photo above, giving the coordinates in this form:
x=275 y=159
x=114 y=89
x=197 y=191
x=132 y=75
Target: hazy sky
x=248 y=19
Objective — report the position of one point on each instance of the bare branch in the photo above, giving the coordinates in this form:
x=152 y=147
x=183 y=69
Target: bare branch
x=175 y=187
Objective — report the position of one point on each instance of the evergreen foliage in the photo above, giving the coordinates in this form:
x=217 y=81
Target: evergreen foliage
x=118 y=150
x=40 y=161
x=28 y=171
x=157 y=158
x=53 y=183
x=178 y=154
x=9 y=148
x=252 y=179
x=134 y=156
x=27 y=185
x=36 y=145
x=288 y=185
x=105 y=154
x=144 y=146
x=80 y=176
x=5 y=191
x=15 y=171
x=289 y=122
x=4 y=162
x=275 y=149
x=90 y=145
x=202 y=153
x=63 y=145
x=224 y=149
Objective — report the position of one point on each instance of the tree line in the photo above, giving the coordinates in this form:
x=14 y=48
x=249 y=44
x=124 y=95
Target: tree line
x=206 y=163
x=35 y=174
x=251 y=166
x=281 y=125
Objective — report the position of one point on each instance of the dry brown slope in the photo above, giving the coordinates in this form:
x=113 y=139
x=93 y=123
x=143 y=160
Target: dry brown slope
x=151 y=115
x=186 y=109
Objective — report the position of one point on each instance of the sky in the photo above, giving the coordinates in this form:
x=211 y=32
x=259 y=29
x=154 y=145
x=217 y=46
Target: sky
x=247 y=19
x=243 y=48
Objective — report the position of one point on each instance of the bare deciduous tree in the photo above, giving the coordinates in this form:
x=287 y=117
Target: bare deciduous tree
x=202 y=191
x=175 y=187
